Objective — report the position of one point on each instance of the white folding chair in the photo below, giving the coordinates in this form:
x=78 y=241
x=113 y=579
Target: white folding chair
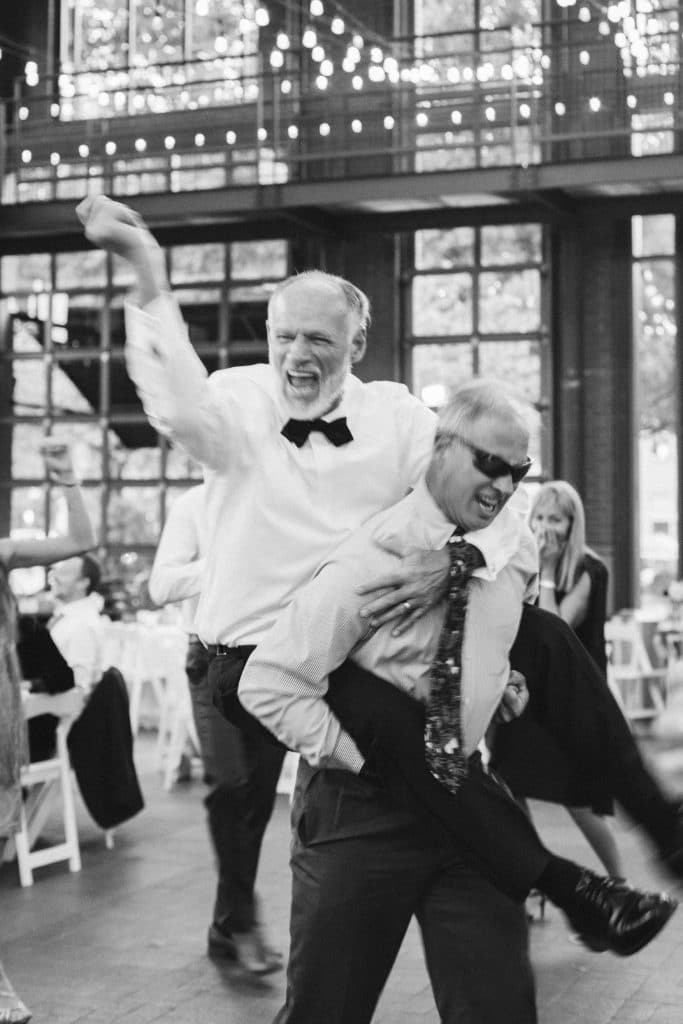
x=42 y=781
x=640 y=689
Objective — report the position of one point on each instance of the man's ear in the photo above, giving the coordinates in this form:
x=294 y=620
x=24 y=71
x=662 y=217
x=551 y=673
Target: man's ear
x=358 y=346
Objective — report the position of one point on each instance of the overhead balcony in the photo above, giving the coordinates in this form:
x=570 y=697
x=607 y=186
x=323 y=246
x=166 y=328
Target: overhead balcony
x=514 y=130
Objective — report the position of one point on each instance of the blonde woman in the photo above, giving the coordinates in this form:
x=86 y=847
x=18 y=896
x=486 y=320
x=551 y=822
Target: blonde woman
x=573 y=585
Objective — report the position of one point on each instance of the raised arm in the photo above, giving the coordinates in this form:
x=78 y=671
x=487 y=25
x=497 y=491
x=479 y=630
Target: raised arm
x=17 y=554
x=169 y=376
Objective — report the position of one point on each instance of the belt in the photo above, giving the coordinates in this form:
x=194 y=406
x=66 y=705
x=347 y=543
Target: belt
x=230 y=650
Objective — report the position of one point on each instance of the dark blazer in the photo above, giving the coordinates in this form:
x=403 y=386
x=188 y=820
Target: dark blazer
x=101 y=751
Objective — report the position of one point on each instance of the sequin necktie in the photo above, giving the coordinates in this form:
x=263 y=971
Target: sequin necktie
x=443 y=738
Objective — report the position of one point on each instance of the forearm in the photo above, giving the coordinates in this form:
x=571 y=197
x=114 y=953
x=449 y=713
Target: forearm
x=547 y=594
x=170 y=583
x=80 y=531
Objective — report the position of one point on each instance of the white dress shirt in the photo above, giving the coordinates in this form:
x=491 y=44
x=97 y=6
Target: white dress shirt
x=273 y=511
x=179 y=561
x=76 y=628
x=286 y=678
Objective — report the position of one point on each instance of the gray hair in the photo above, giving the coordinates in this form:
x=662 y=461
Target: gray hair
x=357 y=302
x=476 y=400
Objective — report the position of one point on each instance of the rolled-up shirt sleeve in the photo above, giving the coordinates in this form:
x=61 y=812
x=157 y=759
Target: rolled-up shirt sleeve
x=286 y=678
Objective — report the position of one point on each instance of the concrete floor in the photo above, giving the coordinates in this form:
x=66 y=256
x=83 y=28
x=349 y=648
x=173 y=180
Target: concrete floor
x=124 y=940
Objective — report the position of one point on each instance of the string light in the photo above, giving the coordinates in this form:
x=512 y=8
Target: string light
x=293 y=131
x=421 y=119
x=110 y=148
x=321 y=83
x=140 y=145
x=26 y=156
x=631 y=102
x=324 y=129
x=337 y=26
x=317 y=10
x=318 y=53
x=357 y=82
x=230 y=138
x=277 y=59
x=285 y=86
x=54 y=159
x=84 y=151
x=282 y=40
x=595 y=104
x=199 y=139
x=524 y=110
x=262 y=135
x=456 y=117
x=261 y=17
x=356 y=126
x=169 y=142
x=327 y=68
x=584 y=57
x=23 y=113
x=389 y=122
x=490 y=114
x=309 y=38
x=560 y=109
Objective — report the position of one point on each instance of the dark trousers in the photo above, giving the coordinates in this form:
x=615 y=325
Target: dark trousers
x=243 y=770
x=571 y=701
x=361 y=869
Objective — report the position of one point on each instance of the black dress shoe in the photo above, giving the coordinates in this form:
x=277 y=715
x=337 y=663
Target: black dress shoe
x=221 y=945
x=607 y=913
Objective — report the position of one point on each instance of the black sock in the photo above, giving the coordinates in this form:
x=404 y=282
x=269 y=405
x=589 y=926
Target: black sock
x=558 y=880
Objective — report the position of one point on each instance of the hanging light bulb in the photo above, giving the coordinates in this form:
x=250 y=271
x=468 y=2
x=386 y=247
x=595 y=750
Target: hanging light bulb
x=348 y=65
x=594 y=104
x=220 y=45
x=324 y=129
x=357 y=82
x=23 y=113
x=631 y=102
x=169 y=142
x=261 y=17
x=389 y=122
x=456 y=117
x=669 y=98
x=584 y=57
x=230 y=138
x=490 y=114
x=321 y=83
x=316 y=8
x=524 y=110
x=318 y=53
x=376 y=55
x=293 y=131
x=277 y=58
x=282 y=40
x=84 y=151
x=54 y=159
x=584 y=14
x=26 y=156
x=327 y=68
x=421 y=119
x=309 y=38
x=560 y=109
x=337 y=25
x=353 y=53
x=140 y=145
x=285 y=86
x=262 y=134
x=54 y=109
x=357 y=126
x=110 y=148
x=358 y=42
x=199 y=139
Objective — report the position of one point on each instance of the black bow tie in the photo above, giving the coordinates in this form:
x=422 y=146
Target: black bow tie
x=335 y=431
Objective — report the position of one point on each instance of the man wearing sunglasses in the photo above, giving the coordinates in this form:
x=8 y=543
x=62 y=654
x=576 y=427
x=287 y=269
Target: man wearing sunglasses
x=376 y=838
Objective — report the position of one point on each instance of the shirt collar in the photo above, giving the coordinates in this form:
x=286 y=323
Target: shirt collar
x=88 y=605
x=498 y=541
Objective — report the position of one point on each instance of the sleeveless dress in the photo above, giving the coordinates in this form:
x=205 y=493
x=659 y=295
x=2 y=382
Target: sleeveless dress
x=11 y=715
x=530 y=759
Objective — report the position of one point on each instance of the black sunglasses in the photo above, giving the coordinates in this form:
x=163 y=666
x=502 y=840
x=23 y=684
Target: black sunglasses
x=490 y=465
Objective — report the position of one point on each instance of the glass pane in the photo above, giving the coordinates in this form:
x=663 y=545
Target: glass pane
x=27 y=462
x=509 y=303
x=76 y=385
x=261 y=259
x=84 y=322
x=159 y=31
x=444 y=249
x=124 y=399
x=517 y=364
x=197 y=263
x=654 y=236
x=432 y=16
x=85 y=440
x=247 y=317
x=30 y=387
x=133 y=515
x=125 y=575
x=28 y=512
x=103 y=34
x=87 y=269
x=200 y=308
x=25 y=273
x=655 y=317
x=438 y=368
x=132 y=463
x=449 y=151
x=180 y=465
x=511 y=243
x=26 y=335
x=442 y=304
